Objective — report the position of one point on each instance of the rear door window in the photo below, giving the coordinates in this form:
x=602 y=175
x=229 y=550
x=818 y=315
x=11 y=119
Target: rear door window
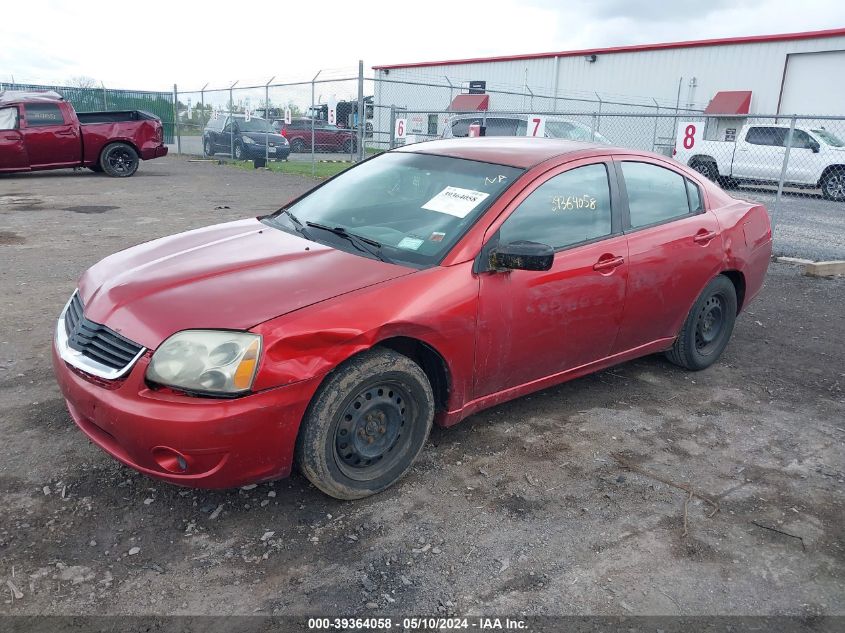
x=766 y=136
x=43 y=114
x=655 y=194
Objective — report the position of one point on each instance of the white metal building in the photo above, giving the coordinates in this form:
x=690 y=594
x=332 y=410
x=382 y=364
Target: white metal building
x=795 y=73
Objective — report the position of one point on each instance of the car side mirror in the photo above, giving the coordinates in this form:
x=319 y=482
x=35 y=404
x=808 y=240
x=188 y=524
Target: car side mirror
x=522 y=255
x=815 y=147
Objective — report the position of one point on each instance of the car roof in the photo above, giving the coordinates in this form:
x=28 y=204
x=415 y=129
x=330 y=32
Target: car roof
x=8 y=97
x=515 y=151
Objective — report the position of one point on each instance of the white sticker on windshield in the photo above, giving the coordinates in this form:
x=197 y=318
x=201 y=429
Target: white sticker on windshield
x=455 y=201
x=411 y=243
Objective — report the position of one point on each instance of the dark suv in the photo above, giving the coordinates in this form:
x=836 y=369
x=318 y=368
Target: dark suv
x=252 y=138
x=327 y=138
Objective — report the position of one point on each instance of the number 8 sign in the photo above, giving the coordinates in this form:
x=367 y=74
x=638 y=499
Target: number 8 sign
x=689 y=133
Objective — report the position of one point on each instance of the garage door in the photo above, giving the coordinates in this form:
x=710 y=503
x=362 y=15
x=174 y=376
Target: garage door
x=813 y=84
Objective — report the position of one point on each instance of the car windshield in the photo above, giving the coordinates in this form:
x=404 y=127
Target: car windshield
x=253 y=125
x=828 y=138
x=414 y=206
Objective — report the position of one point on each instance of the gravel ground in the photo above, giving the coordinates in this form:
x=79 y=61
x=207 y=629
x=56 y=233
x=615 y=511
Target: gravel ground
x=520 y=509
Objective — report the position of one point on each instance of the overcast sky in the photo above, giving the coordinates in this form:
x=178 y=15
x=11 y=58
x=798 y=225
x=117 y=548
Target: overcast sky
x=153 y=44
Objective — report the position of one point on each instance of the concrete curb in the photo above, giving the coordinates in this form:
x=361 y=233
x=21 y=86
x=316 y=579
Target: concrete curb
x=815 y=269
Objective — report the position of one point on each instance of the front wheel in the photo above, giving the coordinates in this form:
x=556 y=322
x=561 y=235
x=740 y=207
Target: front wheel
x=708 y=327
x=119 y=160
x=833 y=184
x=349 y=146
x=208 y=148
x=366 y=425
x=297 y=145
x=239 y=152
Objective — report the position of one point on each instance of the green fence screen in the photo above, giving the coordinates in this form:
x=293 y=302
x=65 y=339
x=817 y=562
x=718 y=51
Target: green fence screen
x=99 y=99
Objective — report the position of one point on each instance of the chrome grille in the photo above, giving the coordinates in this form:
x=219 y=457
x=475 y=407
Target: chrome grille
x=93 y=347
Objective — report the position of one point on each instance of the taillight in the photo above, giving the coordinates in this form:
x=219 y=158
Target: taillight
x=284 y=132
x=159 y=133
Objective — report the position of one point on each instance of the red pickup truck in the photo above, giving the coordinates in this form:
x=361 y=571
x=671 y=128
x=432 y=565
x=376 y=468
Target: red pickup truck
x=40 y=130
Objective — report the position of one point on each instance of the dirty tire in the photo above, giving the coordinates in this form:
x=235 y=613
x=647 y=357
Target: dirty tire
x=708 y=169
x=366 y=425
x=119 y=160
x=708 y=327
x=833 y=184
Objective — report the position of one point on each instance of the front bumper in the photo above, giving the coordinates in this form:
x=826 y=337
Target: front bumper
x=279 y=152
x=197 y=442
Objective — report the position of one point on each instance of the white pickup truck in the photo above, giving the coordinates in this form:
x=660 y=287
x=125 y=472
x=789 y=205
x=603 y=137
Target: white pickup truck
x=816 y=156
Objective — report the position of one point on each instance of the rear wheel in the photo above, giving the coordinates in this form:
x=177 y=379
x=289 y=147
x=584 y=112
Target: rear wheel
x=366 y=425
x=707 y=168
x=119 y=160
x=297 y=145
x=349 y=146
x=833 y=184
x=708 y=327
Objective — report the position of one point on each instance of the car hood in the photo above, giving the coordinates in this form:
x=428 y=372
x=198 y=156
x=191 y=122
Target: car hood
x=228 y=276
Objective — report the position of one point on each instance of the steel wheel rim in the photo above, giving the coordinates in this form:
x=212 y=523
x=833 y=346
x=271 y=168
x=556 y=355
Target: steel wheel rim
x=710 y=324
x=835 y=186
x=238 y=152
x=120 y=160
x=373 y=431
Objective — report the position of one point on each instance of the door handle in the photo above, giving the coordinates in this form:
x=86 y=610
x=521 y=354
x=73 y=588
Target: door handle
x=66 y=133
x=608 y=263
x=704 y=236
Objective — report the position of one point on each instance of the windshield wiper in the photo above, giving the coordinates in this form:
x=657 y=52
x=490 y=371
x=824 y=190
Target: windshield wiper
x=297 y=224
x=357 y=241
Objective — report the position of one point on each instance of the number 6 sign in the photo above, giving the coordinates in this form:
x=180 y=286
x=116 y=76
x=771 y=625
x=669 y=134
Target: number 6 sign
x=536 y=126
x=401 y=129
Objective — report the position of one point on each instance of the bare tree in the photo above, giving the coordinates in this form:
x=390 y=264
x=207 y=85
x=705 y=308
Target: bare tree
x=82 y=81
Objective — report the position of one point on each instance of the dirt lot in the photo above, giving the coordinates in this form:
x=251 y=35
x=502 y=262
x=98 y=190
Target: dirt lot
x=520 y=509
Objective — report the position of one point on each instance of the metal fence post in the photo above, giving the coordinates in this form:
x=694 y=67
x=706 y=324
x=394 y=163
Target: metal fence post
x=593 y=127
x=176 y=119
x=232 y=120
x=392 y=126
x=203 y=120
x=362 y=113
x=267 y=119
x=783 y=167
x=654 y=132
x=313 y=149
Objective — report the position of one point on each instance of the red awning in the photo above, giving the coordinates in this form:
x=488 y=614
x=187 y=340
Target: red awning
x=470 y=103
x=731 y=102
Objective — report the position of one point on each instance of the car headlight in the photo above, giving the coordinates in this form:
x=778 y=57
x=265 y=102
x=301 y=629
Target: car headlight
x=248 y=140
x=207 y=361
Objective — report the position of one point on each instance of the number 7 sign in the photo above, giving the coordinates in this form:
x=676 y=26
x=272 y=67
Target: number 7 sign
x=536 y=126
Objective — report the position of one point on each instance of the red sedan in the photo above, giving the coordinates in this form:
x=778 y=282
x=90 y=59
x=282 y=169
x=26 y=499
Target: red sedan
x=418 y=287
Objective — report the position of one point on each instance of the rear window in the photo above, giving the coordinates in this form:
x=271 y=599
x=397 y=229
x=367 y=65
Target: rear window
x=655 y=194
x=766 y=136
x=43 y=114
x=9 y=118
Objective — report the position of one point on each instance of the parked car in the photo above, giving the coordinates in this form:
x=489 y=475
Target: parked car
x=253 y=139
x=40 y=130
x=327 y=138
x=417 y=287
x=816 y=158
x=517 y=124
